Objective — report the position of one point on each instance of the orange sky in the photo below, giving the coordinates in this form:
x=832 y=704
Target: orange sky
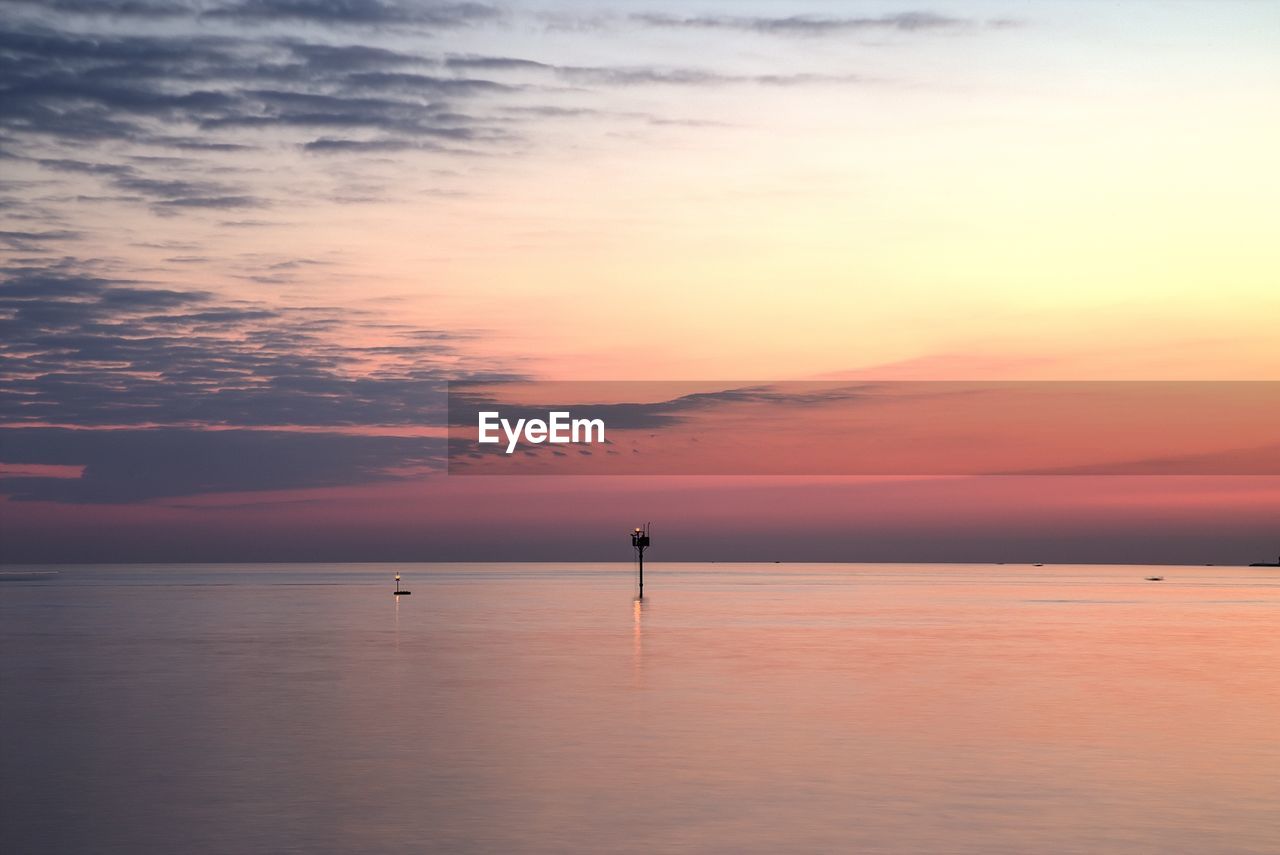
x=763 y=191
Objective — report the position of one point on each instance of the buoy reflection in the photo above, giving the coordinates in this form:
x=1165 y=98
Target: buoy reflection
x=637 y=637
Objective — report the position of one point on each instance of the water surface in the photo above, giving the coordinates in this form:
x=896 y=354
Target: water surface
x=741 y=708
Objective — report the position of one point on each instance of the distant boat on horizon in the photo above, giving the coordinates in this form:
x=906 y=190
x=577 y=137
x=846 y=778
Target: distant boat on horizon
x=1275 y=563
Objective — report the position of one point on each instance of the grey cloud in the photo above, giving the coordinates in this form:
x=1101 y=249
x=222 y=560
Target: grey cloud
x=330 y=144
x=115 y=87
x=80 y=98
x=466 y=400
x=377 y=12
x=212 y=202
x=494 y=63
x=330 y=12
x=189 y=144
x=807 y=25
x=137 y=465
x=668 y=76
x=641 y=75
x=151 y=90
x=350 y=57
x=61 y=87
x=426 y=84
x=79 y=349
x=31 y=241
x=162 y=193
x=109 y=8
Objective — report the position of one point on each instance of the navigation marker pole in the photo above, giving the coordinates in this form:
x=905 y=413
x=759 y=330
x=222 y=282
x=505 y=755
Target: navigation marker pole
x=640 y=540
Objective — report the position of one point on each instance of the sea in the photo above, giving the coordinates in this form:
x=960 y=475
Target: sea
x=542 y=708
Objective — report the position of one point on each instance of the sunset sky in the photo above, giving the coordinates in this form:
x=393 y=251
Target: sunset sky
x=247 y=242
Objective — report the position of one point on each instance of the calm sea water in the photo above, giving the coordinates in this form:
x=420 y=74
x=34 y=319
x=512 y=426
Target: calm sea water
x=741 y=708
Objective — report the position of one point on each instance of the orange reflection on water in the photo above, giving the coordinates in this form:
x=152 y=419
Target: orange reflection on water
x=755 y=708
x=637 y=637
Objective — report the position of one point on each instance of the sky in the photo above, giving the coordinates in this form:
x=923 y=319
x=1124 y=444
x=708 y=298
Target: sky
x=247 y=243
